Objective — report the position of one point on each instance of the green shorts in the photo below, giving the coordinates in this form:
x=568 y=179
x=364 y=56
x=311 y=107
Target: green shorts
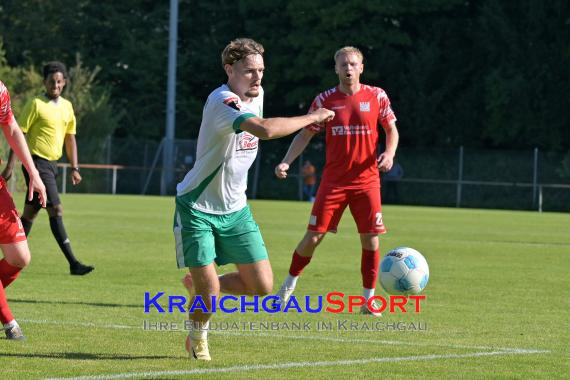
x=203 y=238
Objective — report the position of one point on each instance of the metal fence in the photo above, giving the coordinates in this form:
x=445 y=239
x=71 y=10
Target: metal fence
x=461 y=177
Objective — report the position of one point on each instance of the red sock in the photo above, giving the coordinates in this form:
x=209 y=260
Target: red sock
x=8 y=273
x=298 y=263
x=5 y=313
x=369 y=268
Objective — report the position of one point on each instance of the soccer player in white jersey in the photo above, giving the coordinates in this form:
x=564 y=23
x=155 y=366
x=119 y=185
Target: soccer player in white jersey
x=213 y=223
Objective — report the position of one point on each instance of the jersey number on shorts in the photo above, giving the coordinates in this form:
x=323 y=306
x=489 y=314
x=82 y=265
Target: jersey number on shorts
x=379 y=219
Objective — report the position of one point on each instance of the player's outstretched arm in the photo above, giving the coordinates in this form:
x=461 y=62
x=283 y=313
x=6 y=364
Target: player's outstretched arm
x=17 y=142
x=297 y=147
x=275 y=127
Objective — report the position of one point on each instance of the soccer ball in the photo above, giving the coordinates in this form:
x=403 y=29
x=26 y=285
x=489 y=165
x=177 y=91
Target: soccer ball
x=404 y=271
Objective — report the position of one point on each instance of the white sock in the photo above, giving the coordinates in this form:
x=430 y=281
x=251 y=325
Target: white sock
x=200 y=330
x=368 y=293
x=10 y=324
x=291 y=281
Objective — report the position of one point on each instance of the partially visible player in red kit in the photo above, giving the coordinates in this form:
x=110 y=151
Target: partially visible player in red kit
x=13 y=241
x=351 y=174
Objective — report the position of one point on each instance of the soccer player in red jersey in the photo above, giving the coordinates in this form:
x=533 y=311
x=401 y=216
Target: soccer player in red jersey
x=13 y=241
x=351 y=173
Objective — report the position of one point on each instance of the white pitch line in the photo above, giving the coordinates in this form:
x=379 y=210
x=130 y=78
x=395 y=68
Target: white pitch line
x=80 y=324
x=358 y=340
x=283 y=336
x=262 y=367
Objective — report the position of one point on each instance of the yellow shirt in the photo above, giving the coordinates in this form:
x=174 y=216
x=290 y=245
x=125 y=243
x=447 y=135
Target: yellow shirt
x=45 y=124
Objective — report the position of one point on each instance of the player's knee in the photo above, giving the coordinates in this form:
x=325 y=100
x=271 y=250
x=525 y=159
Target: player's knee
x=55 y=211
x=370 y=242
x=315 y=239
x=263 y=288
x=20 y=261
x=25 y=261
x=30 y=213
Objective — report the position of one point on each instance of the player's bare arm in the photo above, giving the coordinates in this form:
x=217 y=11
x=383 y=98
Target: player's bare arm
x=17 y=142
x=9 y=168
x=71 y=151
x=267 y=129
x=297 y=147
x=386 y=159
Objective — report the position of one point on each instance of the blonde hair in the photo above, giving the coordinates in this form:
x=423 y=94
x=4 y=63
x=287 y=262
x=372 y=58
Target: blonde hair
x=348 y=50
x=239 y=49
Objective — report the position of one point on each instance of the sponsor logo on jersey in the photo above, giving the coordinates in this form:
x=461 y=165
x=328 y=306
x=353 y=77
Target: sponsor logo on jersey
x=232 y=102
x=344 y=130
x=5 y=107
x=364 y=106
x=246 y=141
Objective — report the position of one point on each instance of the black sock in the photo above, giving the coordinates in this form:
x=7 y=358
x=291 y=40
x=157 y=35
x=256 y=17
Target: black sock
x=58 y=231
x=27 y=225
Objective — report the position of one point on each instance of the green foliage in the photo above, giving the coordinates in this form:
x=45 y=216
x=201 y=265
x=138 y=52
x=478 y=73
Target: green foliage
x=22 y=81
x=525 y=73
x=97 y=119
x=479 y=74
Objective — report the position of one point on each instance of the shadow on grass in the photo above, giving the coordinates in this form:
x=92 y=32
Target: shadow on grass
x=84 y=356
x=98 y=304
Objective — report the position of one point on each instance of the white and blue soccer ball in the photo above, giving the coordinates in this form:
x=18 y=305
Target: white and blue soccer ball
x=404 y=271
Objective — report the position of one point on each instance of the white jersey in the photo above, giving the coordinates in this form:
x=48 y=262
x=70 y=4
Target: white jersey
x=218 y=181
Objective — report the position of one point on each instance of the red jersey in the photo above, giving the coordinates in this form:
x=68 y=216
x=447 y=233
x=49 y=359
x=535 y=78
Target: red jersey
x=6 y=115
x=6 y=118
x=352 y=136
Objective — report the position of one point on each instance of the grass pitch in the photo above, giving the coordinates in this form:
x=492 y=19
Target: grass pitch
x=497 y=301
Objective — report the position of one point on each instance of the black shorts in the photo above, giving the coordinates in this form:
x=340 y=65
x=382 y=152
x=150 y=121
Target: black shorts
x=48 y=174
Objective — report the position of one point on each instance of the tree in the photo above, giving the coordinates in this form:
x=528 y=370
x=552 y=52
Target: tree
x=97 y=119
x=525 y=76
x=484 y=74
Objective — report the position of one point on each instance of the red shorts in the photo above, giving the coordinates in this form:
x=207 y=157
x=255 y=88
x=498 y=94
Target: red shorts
x=11 y=229
x=364 y=204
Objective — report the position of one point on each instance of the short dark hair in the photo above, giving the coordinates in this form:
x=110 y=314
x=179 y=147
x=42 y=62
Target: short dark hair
x=239 y=49
x=54 y=67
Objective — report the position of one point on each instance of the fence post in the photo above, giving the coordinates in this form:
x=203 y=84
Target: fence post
x=168 y=160
x=540 y=198
x=153 y=166
x=108 y=160
x=460 y=177
x=114 y=186
x=534 y=177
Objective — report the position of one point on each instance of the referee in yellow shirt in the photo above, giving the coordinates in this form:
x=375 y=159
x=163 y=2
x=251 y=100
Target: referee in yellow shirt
x=49 y=124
